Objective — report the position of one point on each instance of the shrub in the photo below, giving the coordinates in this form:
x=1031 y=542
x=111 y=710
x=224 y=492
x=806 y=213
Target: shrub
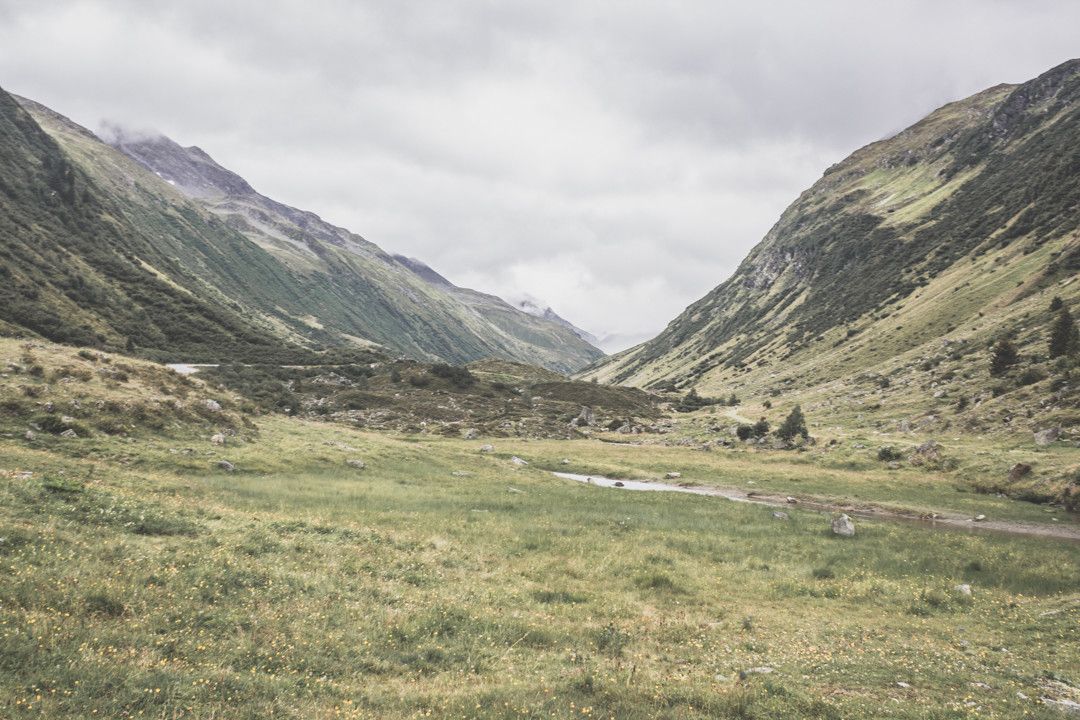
x=457 y=376
x=1003 y=355
x=888 y=453
x=1030 y=377
x=794 y=424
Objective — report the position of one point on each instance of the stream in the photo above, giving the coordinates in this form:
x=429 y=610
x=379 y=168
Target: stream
x=866 y=512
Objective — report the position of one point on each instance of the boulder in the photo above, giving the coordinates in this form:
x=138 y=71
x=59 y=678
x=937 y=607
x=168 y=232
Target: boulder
x=586 y=416
x=30 y=435
x=1018 y=471
x=69 y=433
x=780 y=515
x=928 y=452
x=963 y=589
x=1048 y=436
x=212 y=405
x=356 y=463
x=672 y=476
x=225 y=465
x=487 y=448
x=218 y=439
x=843 y=526
x=518 y=461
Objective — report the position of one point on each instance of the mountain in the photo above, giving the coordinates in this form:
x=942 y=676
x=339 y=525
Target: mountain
x=246 y=260
x=914 y=251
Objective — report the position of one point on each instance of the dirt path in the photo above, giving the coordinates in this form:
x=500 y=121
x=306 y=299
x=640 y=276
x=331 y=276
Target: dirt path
x=871 y=512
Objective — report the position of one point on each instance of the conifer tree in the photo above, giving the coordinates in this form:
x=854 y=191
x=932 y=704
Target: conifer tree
x=1064 y=337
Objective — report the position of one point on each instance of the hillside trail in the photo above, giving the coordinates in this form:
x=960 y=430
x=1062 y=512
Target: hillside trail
x=950 y=521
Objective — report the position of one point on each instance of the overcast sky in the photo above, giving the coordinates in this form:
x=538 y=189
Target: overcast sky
x=613 y=159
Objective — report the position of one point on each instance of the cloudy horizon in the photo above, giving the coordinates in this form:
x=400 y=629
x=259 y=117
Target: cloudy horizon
x=614 y=161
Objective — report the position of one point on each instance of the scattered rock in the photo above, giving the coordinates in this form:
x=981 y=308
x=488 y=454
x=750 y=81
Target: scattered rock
x=763 y=670
x=587 y=416
x=780 y=515
x=212 y=405
x=790 y=500
x=30 y=435
x=225 y=465
x=460 y=473
x=69 y=433
x=471 y=434
x=487 y=448
x=1018 y=471
x=1066 y=706
x=356 y=463
x=619 y=483
x=843 y=526
x=928 y=452
x=963 y=589
x=979 y=518
x=902 y=684
x=1047 y=436
x=672 y=476
x=893 y=465
x=217 y=439
x=564 y=461
x=67 y=419
x=514 y=490
x=518 y=461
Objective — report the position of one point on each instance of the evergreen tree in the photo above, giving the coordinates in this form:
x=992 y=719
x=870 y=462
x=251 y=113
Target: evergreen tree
x=761 y=428
x=794 y=424
x=1064 y=337
x=1003 y=356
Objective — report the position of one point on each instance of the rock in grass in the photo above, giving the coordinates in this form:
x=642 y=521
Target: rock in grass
x=780 y=515
x=979 y=518
x=1048 y=436
x=843 y=526
x=69 y=433
x=470 y=434
x=212 y=405
x=1018 y=471
x=356 y=463
x=29 y=435
x=673 y=476
x=487 y=448
x=225 y=465
x=763 y=670
x=518 y=461
x=217 y=439
x=963 y=589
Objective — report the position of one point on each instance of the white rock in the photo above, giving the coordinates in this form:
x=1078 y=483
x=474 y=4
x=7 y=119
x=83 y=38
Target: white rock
x=963 y=589
x=212 y=405
x=518 y=461
x=843 y=526
x=218 y=439
x=487 y=448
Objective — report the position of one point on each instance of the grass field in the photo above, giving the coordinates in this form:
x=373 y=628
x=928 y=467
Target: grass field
x=139 y=580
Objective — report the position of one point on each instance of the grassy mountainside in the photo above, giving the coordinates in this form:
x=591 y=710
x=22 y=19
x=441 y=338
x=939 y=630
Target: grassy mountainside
x=103 y=251
x=351 y=288
x=896 y=271
x=79 y=267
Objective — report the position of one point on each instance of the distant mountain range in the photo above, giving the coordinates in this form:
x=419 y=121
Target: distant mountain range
x=143 y=244
x=950 y=234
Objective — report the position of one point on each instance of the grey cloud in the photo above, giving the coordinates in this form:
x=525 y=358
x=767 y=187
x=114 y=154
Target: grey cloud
x=614 y=159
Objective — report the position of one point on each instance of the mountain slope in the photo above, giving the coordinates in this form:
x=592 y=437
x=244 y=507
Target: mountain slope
x=79 y=269
x=953 y=232
x=283 y=270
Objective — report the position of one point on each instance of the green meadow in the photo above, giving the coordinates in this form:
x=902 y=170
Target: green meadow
x=139 y=579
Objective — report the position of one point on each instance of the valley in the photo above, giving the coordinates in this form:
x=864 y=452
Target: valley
x=845 y=483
